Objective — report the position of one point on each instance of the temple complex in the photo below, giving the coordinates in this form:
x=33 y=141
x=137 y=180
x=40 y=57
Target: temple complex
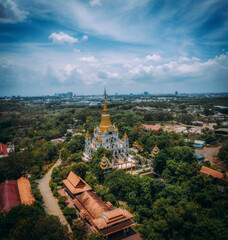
x=107 y=136
x=101 y=217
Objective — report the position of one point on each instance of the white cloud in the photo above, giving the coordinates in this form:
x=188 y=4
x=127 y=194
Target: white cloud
x=184 y=68
x=90 y=59
x=95 y=3
x=77 y=50
x=62 y=38
x=84 y=38
x=153 y=58
x=10 y=13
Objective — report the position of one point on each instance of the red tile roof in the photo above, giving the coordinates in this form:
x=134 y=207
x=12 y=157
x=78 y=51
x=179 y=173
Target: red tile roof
x=150 y=127
x=9 y=196
x=3 y=148
x=24 y=189
x=75 y=184
x=210 y=172
x=102 y=216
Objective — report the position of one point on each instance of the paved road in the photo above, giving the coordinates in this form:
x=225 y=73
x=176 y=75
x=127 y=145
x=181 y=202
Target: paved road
x=51 y=203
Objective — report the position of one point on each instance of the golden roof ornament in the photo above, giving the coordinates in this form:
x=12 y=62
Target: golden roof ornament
x=116 y=128
x=87 y=134
x=99 y=139
x=125 y=136
x=155 y=151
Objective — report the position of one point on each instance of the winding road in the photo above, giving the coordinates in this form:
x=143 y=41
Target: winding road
x=51 y=203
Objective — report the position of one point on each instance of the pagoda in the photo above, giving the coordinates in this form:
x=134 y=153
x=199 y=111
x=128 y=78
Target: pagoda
x=107 y=136
x=105 y=165
x=155 y=151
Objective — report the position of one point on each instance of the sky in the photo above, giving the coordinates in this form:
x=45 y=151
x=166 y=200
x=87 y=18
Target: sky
x=131 y=46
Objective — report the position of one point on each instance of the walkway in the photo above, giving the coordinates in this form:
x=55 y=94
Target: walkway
x=51 y=203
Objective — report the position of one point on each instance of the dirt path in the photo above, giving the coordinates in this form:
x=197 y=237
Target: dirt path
x=51 y=203
x=210 y=154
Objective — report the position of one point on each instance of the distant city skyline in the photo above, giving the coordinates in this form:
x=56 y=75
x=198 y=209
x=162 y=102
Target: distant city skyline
x=132 y=46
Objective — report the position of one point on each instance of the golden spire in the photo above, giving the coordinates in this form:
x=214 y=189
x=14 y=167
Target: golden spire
x=116 y=128
x=87 y=134
x=125 y=136
x=99 y=139
x=105 y=117
x=104 y=155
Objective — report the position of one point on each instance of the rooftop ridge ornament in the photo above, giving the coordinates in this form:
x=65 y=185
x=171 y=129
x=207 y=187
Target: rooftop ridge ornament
x=87 y=134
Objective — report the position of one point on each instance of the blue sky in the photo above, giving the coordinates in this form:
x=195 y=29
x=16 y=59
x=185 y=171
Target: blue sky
x=160 y=46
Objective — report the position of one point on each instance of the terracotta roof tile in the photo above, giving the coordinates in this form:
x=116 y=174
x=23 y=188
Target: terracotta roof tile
x=75 y=184
x=210 y=172
x=3 y=148
x=102 y=215
x=24 y=189
x=9 y=196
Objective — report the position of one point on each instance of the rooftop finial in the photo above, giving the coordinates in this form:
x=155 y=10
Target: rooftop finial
x=105 y=91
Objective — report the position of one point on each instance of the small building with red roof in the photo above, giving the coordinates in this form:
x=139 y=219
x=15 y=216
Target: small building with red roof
x=14 y=193
x=3 y=150
x=9 y=195
x=150 y=127
x=211 y=172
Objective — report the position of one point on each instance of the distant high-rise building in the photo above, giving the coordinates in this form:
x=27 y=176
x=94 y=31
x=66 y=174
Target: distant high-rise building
x=69 y=95
x=131 y=94
x=176 y=92
x=146 y=93
x=64 y=95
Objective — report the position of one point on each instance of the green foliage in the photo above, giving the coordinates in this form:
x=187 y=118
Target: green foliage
x=223 y=154
x=76 y=157
x=111 y=198
x=95 y=236
x=80 y=169
x=76 y=144
x=70 y=213
x=64 y=154
x=91 y=179
x=30 y=222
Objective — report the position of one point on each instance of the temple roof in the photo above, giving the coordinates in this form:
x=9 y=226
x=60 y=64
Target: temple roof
x=210 y=172
x=3 y=148
x=14 y=193
x=24 y=189
x=9 y=196
x=75 y=184
x=102 y=216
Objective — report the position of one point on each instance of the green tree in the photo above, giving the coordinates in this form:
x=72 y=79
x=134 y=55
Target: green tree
x=80 y=169
x=64 y=154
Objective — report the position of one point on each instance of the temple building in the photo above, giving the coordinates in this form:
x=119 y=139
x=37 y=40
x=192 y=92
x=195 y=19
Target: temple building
x=101 y=217
x=107 y=136
x=154 y=152
x=14 y=193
